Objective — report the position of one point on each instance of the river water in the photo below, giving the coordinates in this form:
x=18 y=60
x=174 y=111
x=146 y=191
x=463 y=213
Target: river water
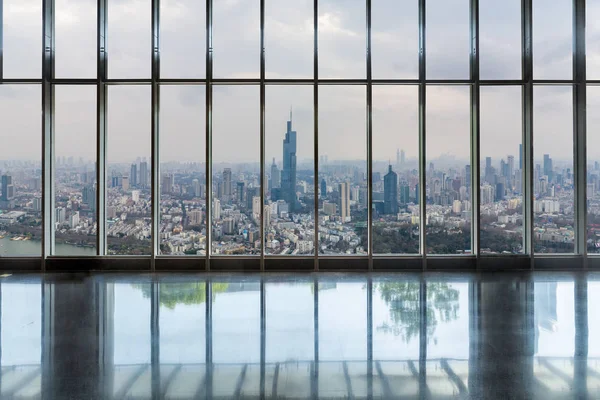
x=24 y=248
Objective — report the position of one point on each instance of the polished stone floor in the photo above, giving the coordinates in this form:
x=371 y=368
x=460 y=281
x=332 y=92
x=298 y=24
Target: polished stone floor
x=434 y=336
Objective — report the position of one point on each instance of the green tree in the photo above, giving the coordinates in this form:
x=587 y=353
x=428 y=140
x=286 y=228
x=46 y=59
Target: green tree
x=172 y=294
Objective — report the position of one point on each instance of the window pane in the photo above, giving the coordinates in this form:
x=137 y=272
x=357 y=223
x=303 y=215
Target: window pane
x=182 y=38
x=342 y=170
x=129 y=40
x=75 y=38
x=447 y=311
x=290 y=346
x=236 y=39
x=593 y=169
x=236 y=208
x=342 y=39
x=448 y=170
x=554 y=346
x=289 y=38
x=129 y=319
x=593 y=292
x=395 y=193
x=22 y=41
x=396 y=329
x=21 y=340
x=342 y=339
x=289 y=171
x=75 y=170
x=552 y=39
x=592 y=39
x=553 y=185
x=448 y=44
x=500 y=39
x=182 y=170
x=395 y=39
x=182 y=338
x=128 y=208
x=501 y=191
x=236 y=337
x=20 y=171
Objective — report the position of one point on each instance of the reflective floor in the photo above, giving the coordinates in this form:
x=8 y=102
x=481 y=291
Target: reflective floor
x=300 y=336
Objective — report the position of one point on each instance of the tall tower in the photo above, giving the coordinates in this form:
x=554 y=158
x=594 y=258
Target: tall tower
x=390 y=192
x=8 y=190
x=275 y=181
x=227 y=185
x=344 y=202
x=144 y=174
x=133 y=175
x=288 y=173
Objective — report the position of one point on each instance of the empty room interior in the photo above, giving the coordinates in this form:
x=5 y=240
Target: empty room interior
x=299 y=199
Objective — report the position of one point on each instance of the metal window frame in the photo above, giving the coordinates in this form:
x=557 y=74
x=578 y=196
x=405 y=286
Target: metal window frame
x=371 y=261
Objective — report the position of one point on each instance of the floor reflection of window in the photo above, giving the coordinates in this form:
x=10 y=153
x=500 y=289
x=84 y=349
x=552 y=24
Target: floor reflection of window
x=554 y=329
x=182 y=329
x=131 y=356
x=396 y=323
x=289 y=339
x=593 y=376
x=342 y=339
x=21 y=341
x=236 y=339
x=447 y=338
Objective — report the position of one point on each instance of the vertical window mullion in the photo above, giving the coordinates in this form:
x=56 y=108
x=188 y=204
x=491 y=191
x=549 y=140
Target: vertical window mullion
x=316 y=138
x=369 y=144
x=154 y=158
x=262 y=144
x=475 y=131
x=208 y=135
x=101 y=129
x=422 y=125
x=527 y=54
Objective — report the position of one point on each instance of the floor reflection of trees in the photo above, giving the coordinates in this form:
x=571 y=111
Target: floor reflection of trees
x=172 y=294
x=402 y=299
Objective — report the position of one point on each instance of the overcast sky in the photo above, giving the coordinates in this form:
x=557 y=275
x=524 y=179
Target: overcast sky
x=289 y=51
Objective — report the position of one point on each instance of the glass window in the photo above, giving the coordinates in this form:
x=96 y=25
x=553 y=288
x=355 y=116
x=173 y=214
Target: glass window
x=500 y=39
x=553 y=185
x=342 y=339
x=554 y=320
x=21 y=341
x=552 y=39
x=236 y=171
x=236 y=338
x=129 y=318
x=20 y=171
x=75 y=38
x=593 y=169
x=395 y=192
x=395 y=39
x=448 y=170
x=182 y=170
x=447 y=337
x=128 y=208
x=289 y=171
x=290 y=346
x=342 y=170
x=22 y=38
x=448 y=44
x=75 y=170
x=289 y=38
x=592 y=39
x=396 y=333
x=593 y=292
x=129 y=39
x=182 y=38
x=342 y=39
x=182 y=338
x=236 y=39
x=501 y=176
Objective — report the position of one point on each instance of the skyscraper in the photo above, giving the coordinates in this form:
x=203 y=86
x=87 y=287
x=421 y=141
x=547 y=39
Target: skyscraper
x=240 y=192
x=197 y=188
x=275 y=181
x=404 y=193
x=144 y=179
x=344 y=201
x=548 y=166
x=89 y=197
x=8 y=190
x=402 y=157
x=133 y=176
x=390 y=192
x=168 y=181
x=227 y=185
x=323 y=188
x=288 y=173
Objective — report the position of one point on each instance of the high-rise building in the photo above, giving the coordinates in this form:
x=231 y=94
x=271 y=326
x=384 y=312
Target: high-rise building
x=60 y=215
x=548 y=168
x=8 y=190
x=404 y=193
x=89 y=196
x=168 y=181
x=227 y=185
x=37 y=204
x=288 y=173
x=344 y=200
x=402 y=157
x=74 y=219
x=521 y=156
x=125 y=183
x=240 y=192
x=267 y=216
x=196 y=217
x=499 y=191
x=390 y=192
x=144 y=177
x=467 y=176
x=135 y=195
x=275 y=180
x=216 y=209
x=133 y=175
x=256 y=208
x=323 y=188
x=197 y=188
